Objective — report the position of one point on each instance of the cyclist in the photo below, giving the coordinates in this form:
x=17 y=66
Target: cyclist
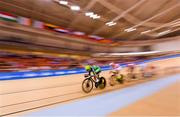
x=115 y=68
x=93 y=70
x=143 y=69
x=131 y=70
x=131 y=67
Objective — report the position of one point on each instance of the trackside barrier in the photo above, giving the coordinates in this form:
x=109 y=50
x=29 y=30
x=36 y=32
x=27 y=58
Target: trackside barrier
x=47 y=73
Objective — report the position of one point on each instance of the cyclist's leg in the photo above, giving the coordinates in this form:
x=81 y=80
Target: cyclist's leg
x=97 y=74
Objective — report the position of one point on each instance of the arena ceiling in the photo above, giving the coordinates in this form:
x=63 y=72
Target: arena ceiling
x=119 y=20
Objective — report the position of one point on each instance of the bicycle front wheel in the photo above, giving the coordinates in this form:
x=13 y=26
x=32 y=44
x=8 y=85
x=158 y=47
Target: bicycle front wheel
x=111 y=80
x=87 y=85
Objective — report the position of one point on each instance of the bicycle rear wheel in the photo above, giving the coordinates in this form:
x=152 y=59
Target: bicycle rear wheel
x=87 y=85
x=120 y=79
x=102 y=83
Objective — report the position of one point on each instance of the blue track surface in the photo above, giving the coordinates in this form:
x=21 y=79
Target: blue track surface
x=102 y=105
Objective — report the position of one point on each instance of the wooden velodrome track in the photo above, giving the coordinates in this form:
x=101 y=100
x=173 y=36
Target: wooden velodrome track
x=17 y=96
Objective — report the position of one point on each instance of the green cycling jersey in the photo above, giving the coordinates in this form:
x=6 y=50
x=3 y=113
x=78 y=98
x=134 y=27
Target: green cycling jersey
x=93 y=69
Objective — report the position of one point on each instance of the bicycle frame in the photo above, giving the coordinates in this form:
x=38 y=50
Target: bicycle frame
x=90 y=77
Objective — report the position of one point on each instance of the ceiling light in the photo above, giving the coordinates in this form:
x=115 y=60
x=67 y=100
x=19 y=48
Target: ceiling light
x=75 y=8
x=96 y=17
x=145 y=31
x=130 y=29
x=63 y=2
x=164 y=32
x=92 y=15
x=89 y=13
x=111 y=23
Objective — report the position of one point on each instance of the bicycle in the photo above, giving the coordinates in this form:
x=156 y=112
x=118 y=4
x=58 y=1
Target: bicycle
x=87 y=84
x=116 y=78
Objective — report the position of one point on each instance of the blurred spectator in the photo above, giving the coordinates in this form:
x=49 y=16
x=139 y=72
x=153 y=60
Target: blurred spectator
x=10 y=61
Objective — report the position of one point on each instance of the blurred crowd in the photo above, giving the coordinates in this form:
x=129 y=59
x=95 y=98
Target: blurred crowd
x=11 y=61
x=28 y=62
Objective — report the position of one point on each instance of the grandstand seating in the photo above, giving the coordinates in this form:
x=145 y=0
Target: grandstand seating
x=11 y=61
